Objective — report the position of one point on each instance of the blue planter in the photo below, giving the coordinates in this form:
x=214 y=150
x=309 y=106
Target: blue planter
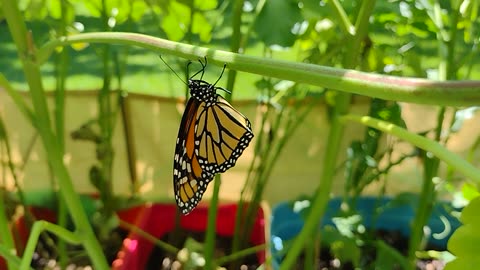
x=286 y=223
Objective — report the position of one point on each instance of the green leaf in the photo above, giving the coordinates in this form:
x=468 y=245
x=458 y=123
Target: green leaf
x=176 y=22
x=470 y=213
x=138 y=9
x=275 y=22
x=469 y=191
x=34 y=9
x=54 y=8
x=202 y=27
x=118 y=9
x=464 y=242
x=205 y=4
x=94 y=7
x=463 y=264
x=55 y=11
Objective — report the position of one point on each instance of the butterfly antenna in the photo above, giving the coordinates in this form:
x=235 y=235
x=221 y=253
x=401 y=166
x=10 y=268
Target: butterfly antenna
x=221 y=74
x=172 y=69
x=204 y=65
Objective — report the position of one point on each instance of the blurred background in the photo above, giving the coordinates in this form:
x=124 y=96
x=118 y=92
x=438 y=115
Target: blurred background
x=148 y=98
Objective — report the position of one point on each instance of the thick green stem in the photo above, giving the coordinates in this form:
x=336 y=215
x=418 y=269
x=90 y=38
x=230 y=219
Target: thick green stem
x=212 y=225
x=446 y=71
x=31 y=70
x=235 y=44
x=321 y=197
x=334 y=139
x=61 y=67
x=414 y=90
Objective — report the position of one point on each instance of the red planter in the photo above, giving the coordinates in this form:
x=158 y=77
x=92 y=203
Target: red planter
x=22 y=232
x=159 y=219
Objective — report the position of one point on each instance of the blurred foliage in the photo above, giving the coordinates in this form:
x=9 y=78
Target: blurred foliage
x=464 y=241
x=401 y=41
x=404 y=39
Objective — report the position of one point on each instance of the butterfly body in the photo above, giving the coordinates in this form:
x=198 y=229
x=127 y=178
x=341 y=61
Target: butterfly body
x=212 y=136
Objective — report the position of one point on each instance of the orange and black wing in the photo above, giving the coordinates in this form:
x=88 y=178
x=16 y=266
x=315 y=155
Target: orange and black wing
x=210 y=140
x=189 y=179
x=223 y=134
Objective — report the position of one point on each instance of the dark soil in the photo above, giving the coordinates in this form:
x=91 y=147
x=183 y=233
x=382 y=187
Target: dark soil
x=369 y=255
x=160 y=260
x=46 y=253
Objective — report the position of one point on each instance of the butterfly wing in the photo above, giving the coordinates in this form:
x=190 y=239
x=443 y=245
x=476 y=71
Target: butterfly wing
x=223 y=134
x=210 y=140
x=189 y=179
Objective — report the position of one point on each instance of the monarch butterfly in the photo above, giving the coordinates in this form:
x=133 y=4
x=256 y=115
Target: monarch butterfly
x=211 y=137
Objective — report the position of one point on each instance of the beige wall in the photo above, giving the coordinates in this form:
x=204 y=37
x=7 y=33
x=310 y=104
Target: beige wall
x=155 y=124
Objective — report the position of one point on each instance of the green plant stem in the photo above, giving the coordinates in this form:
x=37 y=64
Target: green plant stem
x=345 y=24
x=310 y=258
x=424 y=208
x=61 y=66
x=414 y=90
x=321 y=196
x=334 y=139
x=26 y=52
x=128 y=130
x=240 y=254
x=165 y=246
x=212 y=225
x=11 y=165
x=5 y=235
x=105 y=120
x=353 y=51
x=18 y=100
x=426 y=144
x=13 y=261
x=37 y=229
x=259 y=155
x=212 y=213
x=427 y=196
x=235 y=42
x=446 y=71
x=272 y=153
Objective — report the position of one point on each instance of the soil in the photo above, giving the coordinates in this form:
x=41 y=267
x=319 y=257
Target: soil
x=160 y=260
x=368 y=255
x=46 y=253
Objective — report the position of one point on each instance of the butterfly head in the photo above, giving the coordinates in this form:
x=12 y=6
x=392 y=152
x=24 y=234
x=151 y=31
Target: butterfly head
x=202 y=90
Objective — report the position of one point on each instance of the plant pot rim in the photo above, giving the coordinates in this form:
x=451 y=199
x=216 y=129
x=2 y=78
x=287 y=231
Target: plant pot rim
x=131 y=257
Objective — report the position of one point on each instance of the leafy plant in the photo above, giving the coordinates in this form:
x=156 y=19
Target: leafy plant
x=465 y=239
x=358 y=50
